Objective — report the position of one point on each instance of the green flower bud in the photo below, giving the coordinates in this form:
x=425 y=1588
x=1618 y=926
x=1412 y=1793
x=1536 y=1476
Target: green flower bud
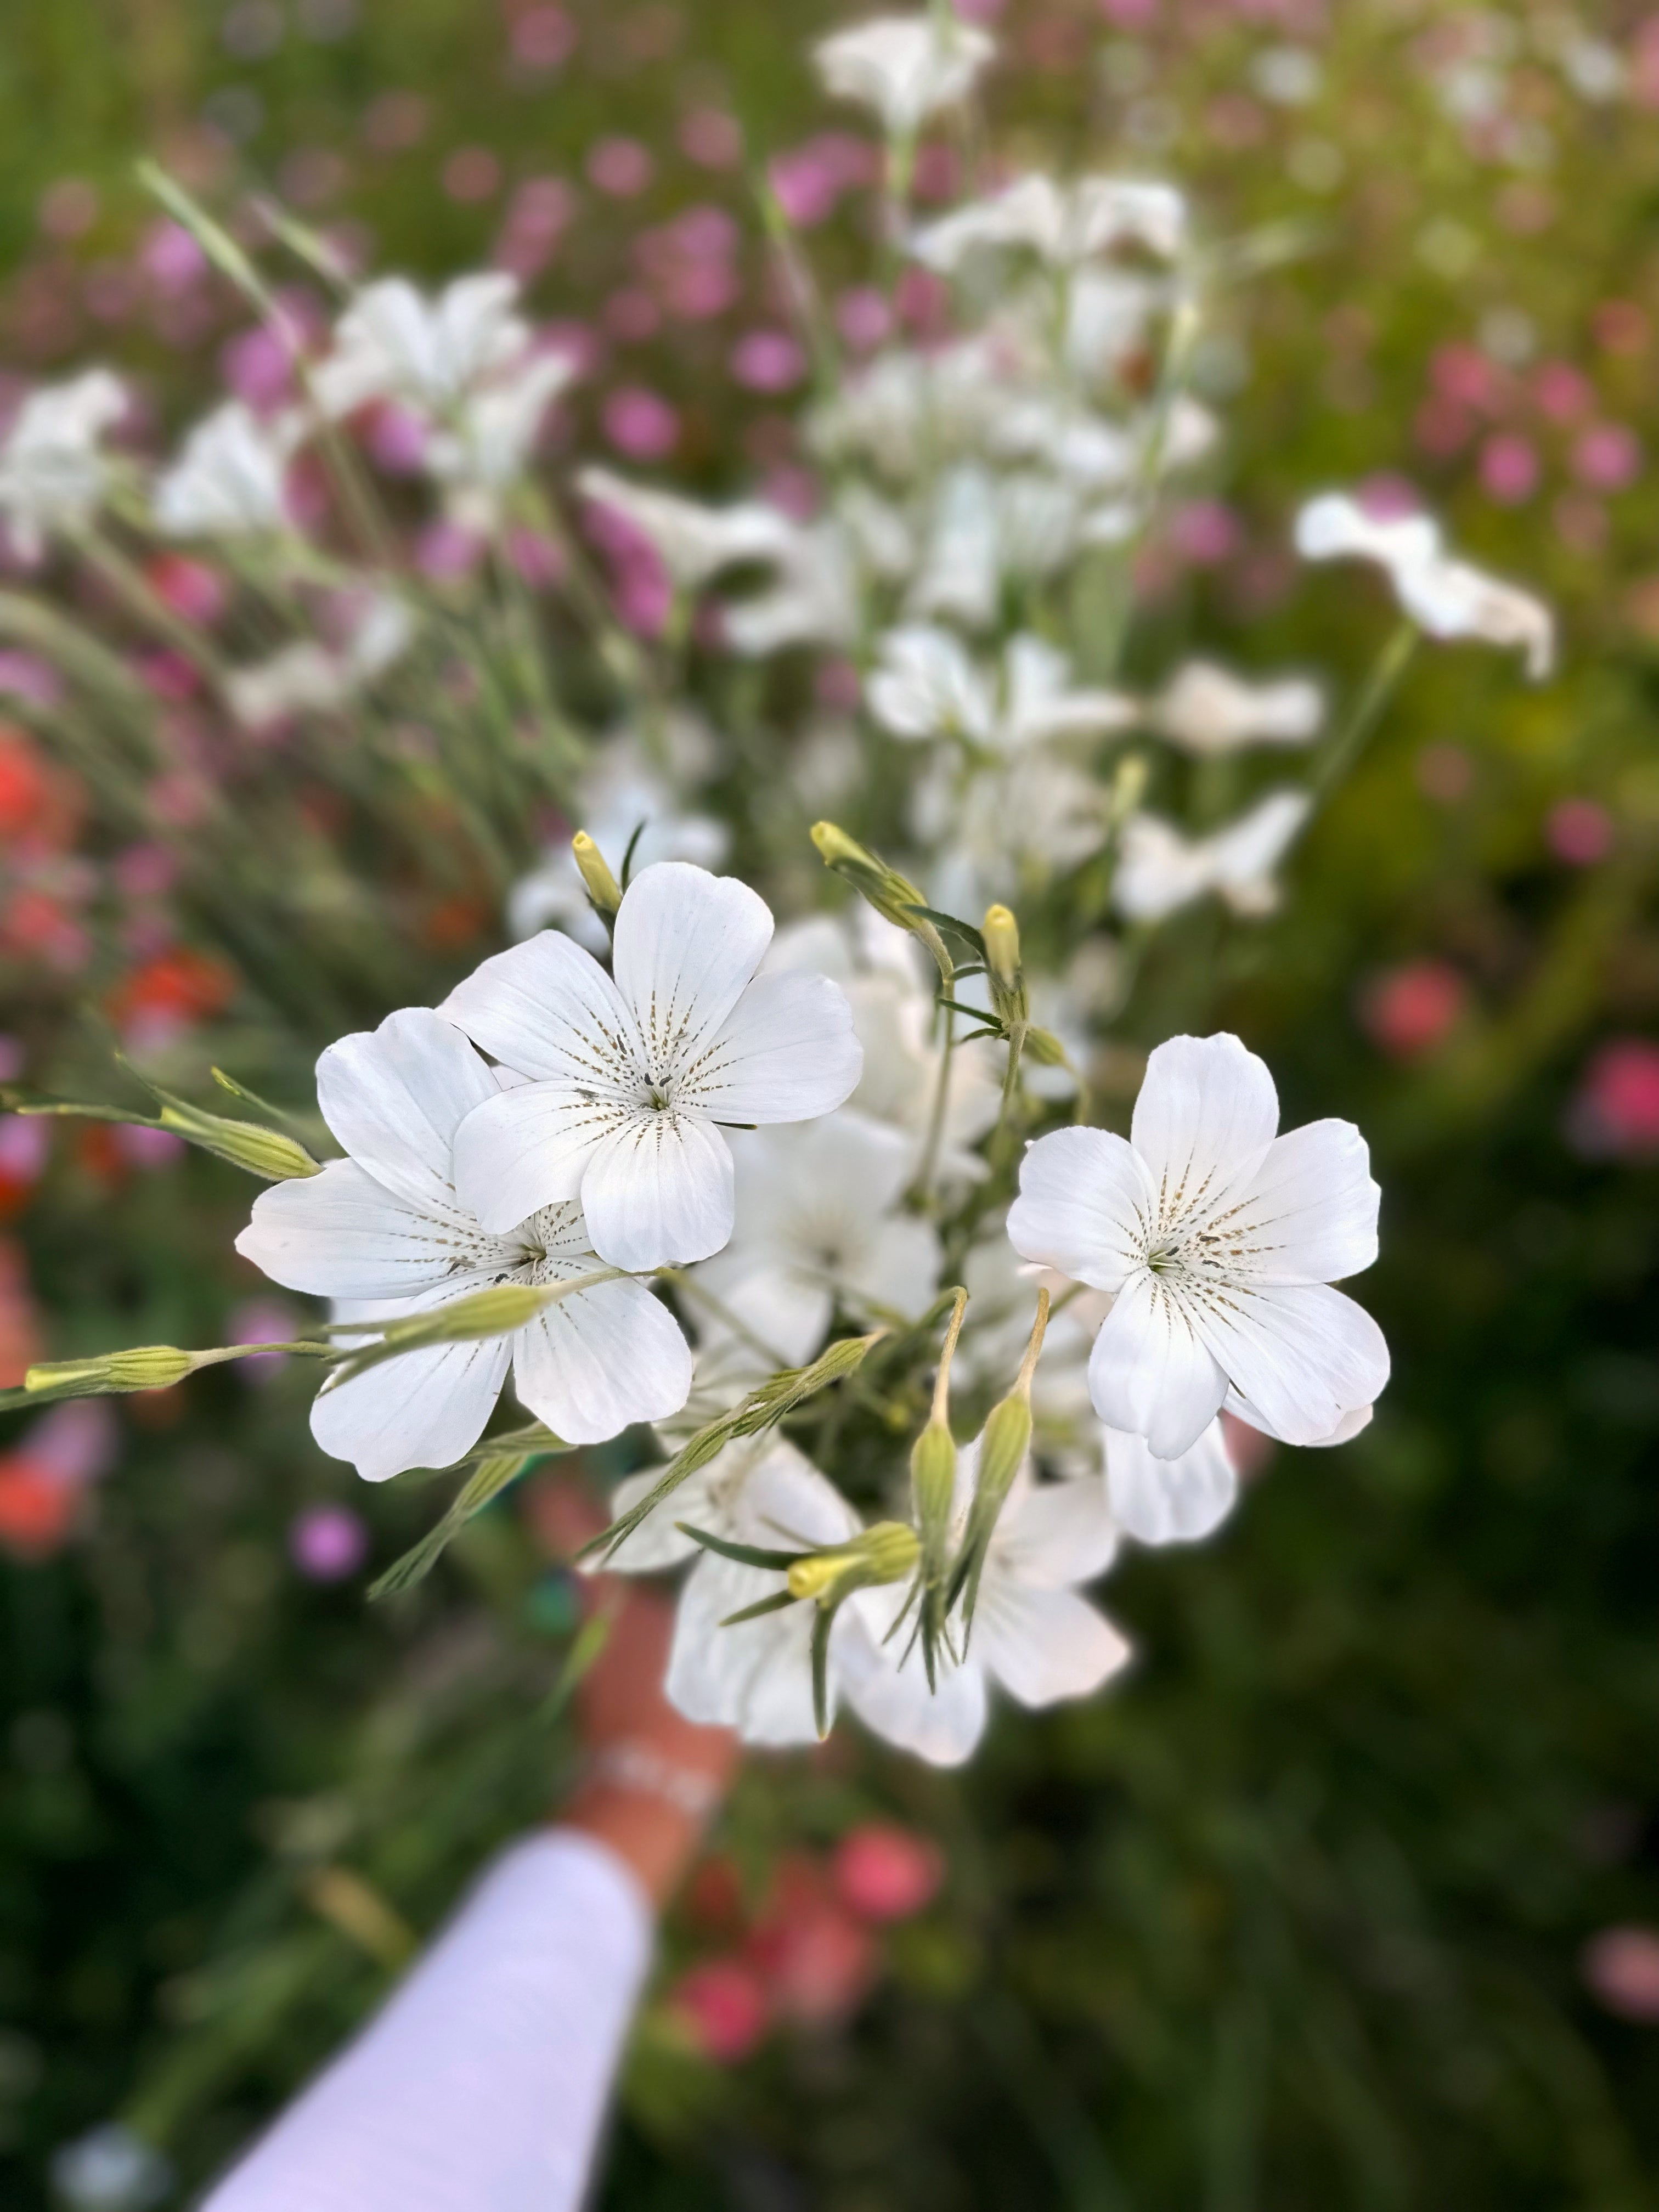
x=1001 y=934
x=885 y=1553
x=894 y=896
x=602 y=886
x=264 y=1153
x=933 y=1485
x=1128 y=786
x=144 y=1367
x=1045 y=1047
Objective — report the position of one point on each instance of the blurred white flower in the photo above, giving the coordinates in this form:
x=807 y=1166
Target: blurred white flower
x=490 y=435
x=880 y=970
x=926 y=685
x=985 y=530
x=310 y=678
x=1205 y=709
x=1219 y=1240
x=1005 y=832
x=1168 y=1501
x=1445 y=596
x=1064 y=223
x=905 y=68
x=693 y=542
x=111 y=2169
x=383 y=1232
x=1032 y=1633
x=53 y=472
x=813 y=598
x=818 y=1220
x=907 y=412
x=392 y=343
x=231 y=478
x=630 y=1077
x=620 y=794
x=1159 y=870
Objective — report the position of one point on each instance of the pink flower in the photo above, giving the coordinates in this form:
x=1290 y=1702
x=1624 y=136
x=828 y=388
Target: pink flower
x=25 y=675
x=722 y=2005
x=1579 y=832
x=543 y=38
x=1620 y=1968
x=817 y=1961
x=167 y=674
x=190 y=587
x=327 y=1543
x=886 y=1873
x=1464 y=373
x=471 y=175
x=539 y=559
x=258 y=367
x=922 y=301
x=396 y=438
x=172 y=259
x=1615 y=1115
x=937 y=174
x=641 y=423
x=711 y=138
x=1562 y=391
x=1409 y=1010
x=1205 y=532
x=1442 y=425
x=1608 y=457
x=146 y=1148
x=768 y=360
x=145 y=871
x=838 y=684
x=863 y=318
x=447 y=551
x=1509 y=469
x=620 y=166
x=631 y=315
x=808 y=185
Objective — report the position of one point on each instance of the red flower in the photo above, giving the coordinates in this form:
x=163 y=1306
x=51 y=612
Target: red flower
x=887 y=1873
x=1411 y=1009
x=722 y=2004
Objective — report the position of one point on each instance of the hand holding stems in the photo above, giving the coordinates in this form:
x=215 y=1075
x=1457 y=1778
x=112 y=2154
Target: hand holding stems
x=654 y=1778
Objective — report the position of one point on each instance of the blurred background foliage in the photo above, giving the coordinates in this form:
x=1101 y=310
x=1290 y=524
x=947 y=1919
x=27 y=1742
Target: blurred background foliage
x=1316 y=1907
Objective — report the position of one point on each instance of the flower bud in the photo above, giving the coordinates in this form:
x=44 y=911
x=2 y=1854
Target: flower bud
x=1001 y=934
x=144 y=1367
x=264 y=1153
x=933 y=1485
x=602 y=886
x=1045 y=1047
x=495 y=1312
x=885 y=1553
x=894 y=896
x=1128 y=787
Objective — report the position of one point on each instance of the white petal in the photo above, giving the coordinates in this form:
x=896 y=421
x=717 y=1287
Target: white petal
x=787 y=1053
x=782 y=1308
x=1085 y=1206
x=341 y=1235
x=1304 y=1355
x=658 y=1192
x=656 y=1543
x=1206 y=1112
x=687 y=944
x=424 y=1409
x=901 y=1267
x=1356 y=1418
x=757 y=1677
x=1309 y=1215
x=529 y=1147
x=1170 y=1501
x=600 y=1360
x=548 y=1009
x=1044 y=1645
x=890 y=1693
x=395 y=1096
x=1152 y=1372
x=1054 y=1534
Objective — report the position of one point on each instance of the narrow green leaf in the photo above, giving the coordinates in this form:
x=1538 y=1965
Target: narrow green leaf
x=488 y=1479
x=767 y=1604
x=746 y=1555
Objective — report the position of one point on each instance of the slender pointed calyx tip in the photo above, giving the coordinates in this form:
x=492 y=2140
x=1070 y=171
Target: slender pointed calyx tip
x=602 y=886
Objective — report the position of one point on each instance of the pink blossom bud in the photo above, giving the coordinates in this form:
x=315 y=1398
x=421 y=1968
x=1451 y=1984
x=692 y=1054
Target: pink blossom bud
x=1411 y=1009
x=1615 y=1114
x=1509 y=469
x=887 y=1873
x=1579 y=832
x=620 y=166
x=768 y=360
x=1608 y=457
x=1620 y=1968
x=640 y=424
x=327 y=1543
x=722 y=2005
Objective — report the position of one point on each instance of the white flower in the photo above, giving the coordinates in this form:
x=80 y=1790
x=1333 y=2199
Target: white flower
x=621 y=795
x=894 y=1017
x=491 y=433
x=985 y=529
x=818 y=1220
x=1207 y=709
x=52 y=469
x=630 y=1077
x=1007 y=831
x=230 y=480
x=1219 y=1240
x=1159 y=870
x=906 y=68
x=1445 y=596
x=757 y=1677
x=694 y=542
x=1031 y=1633
x=925 y=685
x=310 y=678
x=394 y=344
x=1065 y=224
x=383 y=1231
x=111 y=2169
x=813 y=600
x=1168 y=1501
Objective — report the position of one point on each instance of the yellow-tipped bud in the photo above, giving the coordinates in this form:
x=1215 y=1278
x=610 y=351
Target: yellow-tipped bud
x=837 y=848
x=144 y=1367
x=591 y=864
x=1001 y=934
x=885 y=1553
x=1128 y=786
x=894 y=896
x=264 y=1153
